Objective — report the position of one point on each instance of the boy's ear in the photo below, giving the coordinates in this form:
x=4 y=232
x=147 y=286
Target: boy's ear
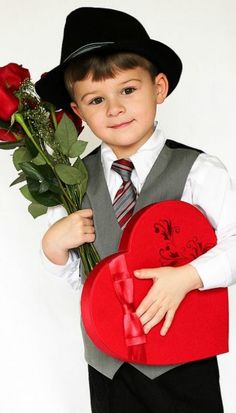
x=76 y=110
x=162 y=87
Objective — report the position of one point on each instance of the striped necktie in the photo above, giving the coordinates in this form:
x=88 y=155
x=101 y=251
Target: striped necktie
x=126 y=195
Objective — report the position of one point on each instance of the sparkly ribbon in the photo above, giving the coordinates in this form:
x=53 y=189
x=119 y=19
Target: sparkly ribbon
x=134 y=336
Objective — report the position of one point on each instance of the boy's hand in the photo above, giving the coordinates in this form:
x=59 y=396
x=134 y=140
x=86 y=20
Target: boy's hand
x=170 y=285
x=68 y=232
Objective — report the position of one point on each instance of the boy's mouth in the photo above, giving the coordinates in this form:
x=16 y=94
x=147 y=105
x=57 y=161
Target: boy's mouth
x=120 y=125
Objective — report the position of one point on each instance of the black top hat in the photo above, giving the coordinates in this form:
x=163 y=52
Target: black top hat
x=89 y=29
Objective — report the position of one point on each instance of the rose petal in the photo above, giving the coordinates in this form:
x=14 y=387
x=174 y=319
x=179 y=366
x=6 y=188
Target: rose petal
x=8 y=104
x=12 y=75
x=7 y=136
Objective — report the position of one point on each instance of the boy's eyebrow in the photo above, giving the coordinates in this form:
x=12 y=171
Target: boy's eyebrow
x=130 y=80
x=122 y=83
x=89 y=93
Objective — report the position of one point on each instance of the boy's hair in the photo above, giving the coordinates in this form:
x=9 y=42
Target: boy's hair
x=104 y=66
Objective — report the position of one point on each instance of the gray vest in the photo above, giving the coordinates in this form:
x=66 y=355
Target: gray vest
x=166 y=180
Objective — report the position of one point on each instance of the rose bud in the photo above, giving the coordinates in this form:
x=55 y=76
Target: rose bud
x=8 y=104
x=12 y=75
x=6 y=135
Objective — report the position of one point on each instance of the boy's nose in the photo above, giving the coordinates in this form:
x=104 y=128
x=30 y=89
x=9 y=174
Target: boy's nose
x=115 y=107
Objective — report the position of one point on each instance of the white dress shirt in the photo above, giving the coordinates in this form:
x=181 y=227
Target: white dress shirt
x=208 y=186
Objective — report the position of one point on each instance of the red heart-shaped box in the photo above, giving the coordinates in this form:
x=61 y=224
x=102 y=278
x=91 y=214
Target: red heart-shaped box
x=168 y=233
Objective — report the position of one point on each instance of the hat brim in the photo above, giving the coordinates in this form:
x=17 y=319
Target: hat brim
x=51 y=86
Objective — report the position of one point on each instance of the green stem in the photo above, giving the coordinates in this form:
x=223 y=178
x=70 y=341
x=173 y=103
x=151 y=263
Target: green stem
x=19 y=119
x=54 y=119
x=95 y=254
x=84 y=260
x=66 y=205
x=65 y=193
x=75 y=197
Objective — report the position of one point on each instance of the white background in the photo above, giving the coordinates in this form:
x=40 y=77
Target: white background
x=41 y=354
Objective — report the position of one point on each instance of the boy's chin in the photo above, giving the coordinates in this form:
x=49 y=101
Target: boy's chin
x=126 y=150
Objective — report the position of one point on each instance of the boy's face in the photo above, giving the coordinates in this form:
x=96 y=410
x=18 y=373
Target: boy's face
x=121 y=111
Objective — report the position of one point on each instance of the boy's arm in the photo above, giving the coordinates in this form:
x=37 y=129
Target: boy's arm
x=210 y=188
x=70 y=271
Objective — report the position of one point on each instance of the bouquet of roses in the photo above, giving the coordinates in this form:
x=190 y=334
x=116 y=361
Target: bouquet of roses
x=47 y=149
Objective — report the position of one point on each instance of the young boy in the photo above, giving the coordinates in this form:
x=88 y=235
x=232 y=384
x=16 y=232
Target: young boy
x=113 y=76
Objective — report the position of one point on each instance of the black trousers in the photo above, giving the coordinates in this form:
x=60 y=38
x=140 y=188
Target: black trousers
x=190 y=388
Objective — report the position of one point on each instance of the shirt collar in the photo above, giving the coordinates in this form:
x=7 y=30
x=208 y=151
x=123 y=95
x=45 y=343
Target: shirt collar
x=143 y=159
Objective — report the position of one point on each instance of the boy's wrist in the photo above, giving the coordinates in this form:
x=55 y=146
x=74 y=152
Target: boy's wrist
x=54 y=253
x=191 y=276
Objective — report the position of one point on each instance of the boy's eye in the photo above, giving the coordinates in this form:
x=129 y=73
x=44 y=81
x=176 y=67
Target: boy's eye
x=128 y=90
x=96 y=101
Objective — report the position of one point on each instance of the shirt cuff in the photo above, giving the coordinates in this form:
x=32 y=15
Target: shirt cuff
x=215 y=271
x=68 y=271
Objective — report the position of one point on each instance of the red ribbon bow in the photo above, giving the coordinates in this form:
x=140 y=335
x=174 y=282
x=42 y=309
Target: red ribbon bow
x=135 y=338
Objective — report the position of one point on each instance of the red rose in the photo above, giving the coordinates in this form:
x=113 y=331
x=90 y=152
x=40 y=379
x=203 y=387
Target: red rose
x=12 y=75
x=8 y=104
x=75 y=119
x=7 y=136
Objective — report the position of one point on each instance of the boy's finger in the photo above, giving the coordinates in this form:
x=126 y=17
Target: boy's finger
x=154 y=321
x=146 y=273
x=86 y=213
x=88 y=229
x=149 y=313
x=145 y=304
x=88 y=221
x=167 y=323
x=89 y=237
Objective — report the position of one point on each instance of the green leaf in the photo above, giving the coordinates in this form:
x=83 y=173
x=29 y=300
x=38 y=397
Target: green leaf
x=37 y=209
x=25 y=192
x=11 y=145
x=32 y=171
x=39 y=160
x=21 y=178
x=68 y=174
x=81 y=168
x=21 y=155
x=47 y=198
x=77 y=148
x=43 y=175
x=44 y=186
x=66 y=134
